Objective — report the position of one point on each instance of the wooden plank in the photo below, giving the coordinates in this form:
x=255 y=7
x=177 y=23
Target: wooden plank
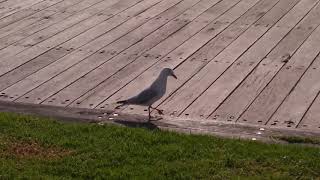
x=173 y=55
x=265 y=105
x=201 y=58
x=106 y=26
x=13 y=5
x=64 y=34
x=8 y=64
x=126 y=57
x=41 y=16
x=26 y=12
x=209 y=99
x=65 y=25
x=17 y=6
x=243 y=96
x=70 y=46
x=127 y=41
x=250 y=27
x=155 y=53
x=294 y=107
x=8 y=4
x=40 y=26
x=311 y=118
x=68 y=61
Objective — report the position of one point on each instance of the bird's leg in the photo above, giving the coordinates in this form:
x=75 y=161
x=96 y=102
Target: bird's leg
x=159 y=110
x=149 y=113
x=118 y=107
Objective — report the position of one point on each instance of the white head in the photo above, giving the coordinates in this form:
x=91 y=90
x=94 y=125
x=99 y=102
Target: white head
x=168 y=72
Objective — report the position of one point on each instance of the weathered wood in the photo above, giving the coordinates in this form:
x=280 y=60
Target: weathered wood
x=92 y=47
x=39 y=16
x=110 y=86
x=249 y=27
x=77 y=89
x=66 y=28
x=27 y=12
x=296 y=104
x=98 y=58
x=242 y=97
x=54 y=54
x=9 y=64
x=282 y=84
x=181 y=53
x=16 y=6
x=104 y=27
x=218 y=90
x=184 y=96
x=5 y=6
x=39 y=31
x=94 y=61
x=311 y=120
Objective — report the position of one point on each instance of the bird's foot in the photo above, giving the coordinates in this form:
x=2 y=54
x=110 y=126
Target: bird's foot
x=157 y=118
x=119 y=106
x=160 y=111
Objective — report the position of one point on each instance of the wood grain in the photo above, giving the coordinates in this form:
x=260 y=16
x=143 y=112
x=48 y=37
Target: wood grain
x=60 y=26
x=283 y=83
x=97 y=95
x=29 y=36
x=312 y=116
x=296 y=104
x=72 y=45
x=8 y=64
x=129 y=55
x=252 y=86
x=39 y=16
x=232 y=35
x=90 y=48
x=217 y=92
x=27 y=12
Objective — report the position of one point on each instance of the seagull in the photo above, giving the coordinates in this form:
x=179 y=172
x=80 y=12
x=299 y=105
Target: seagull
x=151 y=94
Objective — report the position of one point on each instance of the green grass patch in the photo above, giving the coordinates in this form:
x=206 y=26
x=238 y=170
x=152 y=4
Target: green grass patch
x=33 y=147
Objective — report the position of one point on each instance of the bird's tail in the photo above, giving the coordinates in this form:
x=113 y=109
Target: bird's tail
x=122 y=102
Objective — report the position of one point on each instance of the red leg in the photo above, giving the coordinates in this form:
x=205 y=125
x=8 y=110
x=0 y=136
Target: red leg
x=158 y=110
x=149 y=113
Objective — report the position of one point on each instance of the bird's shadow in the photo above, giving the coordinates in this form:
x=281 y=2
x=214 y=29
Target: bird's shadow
x=147 y=125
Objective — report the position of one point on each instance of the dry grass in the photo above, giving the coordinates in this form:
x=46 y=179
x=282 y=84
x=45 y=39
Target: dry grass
x=33 y=149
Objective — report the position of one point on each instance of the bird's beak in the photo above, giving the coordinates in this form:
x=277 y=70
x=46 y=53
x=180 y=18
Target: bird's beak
x=174 y=76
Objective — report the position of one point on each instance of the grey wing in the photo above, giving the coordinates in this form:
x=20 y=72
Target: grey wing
x=145 y=96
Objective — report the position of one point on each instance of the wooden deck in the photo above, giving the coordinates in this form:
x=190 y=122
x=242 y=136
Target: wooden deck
x=254 y=63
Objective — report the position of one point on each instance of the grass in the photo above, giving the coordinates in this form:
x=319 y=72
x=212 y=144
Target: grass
x=38 y=148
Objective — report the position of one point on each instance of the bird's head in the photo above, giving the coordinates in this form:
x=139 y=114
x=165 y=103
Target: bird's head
x=169 y=72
